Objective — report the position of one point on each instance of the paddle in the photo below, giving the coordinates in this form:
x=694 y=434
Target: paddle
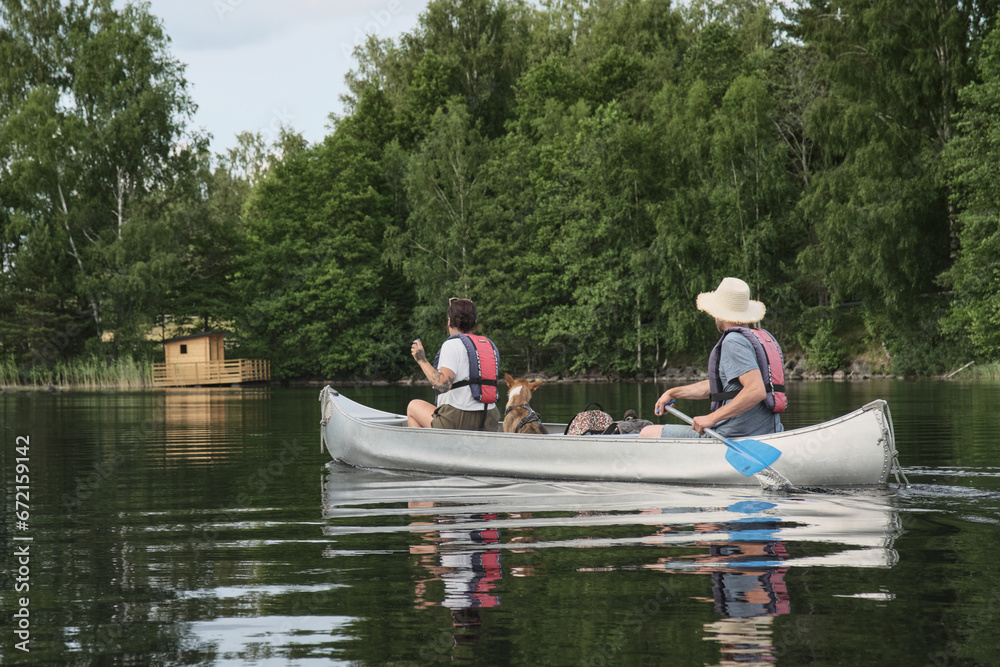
x=749 y=457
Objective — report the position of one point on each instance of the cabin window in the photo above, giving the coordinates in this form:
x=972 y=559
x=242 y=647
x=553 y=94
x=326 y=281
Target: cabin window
x=184 y=349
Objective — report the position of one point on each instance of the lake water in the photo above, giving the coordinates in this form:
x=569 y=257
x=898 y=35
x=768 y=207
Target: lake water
x=206 y=527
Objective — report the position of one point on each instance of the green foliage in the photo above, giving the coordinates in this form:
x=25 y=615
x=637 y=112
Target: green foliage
x=983 y=372
x=87 y=372
x=714 y=59
x=973 y=165
x=929 y=349
x=319 y=301
x=824 y=352
x=91 y=116
x=597 y=226
x=444 y=190
x=878 y=201
x=582 y=171
x=472 y=50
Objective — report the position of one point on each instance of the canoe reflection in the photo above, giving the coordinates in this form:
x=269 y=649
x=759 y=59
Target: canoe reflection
x=474 y=537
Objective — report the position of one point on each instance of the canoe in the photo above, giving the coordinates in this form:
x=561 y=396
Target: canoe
x=856 y=449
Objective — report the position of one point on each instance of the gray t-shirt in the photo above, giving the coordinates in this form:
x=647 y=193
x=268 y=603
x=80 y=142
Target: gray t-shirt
x=736 y=359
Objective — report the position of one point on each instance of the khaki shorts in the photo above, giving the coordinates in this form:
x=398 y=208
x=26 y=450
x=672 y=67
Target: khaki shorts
x=448 y=416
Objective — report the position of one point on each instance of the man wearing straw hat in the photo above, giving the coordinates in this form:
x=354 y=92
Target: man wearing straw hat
x=745 y=410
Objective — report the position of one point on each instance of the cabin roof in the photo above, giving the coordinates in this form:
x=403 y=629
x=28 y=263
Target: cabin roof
x=197 y=335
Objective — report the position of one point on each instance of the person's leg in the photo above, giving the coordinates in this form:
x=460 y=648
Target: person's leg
x=419 y=413
x=448 y=416
x=669 y=431
x=493 y=421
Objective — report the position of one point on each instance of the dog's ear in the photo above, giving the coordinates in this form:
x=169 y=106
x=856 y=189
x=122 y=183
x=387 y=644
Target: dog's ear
x=536 y=385
x=508 y=379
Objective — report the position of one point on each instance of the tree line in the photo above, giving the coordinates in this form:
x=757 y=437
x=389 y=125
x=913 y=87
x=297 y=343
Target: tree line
x=581 y=170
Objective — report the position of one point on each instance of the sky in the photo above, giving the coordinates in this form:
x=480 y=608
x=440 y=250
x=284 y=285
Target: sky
x=258 y=65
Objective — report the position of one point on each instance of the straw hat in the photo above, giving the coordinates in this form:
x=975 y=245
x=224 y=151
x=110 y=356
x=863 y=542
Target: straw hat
x=731 y=302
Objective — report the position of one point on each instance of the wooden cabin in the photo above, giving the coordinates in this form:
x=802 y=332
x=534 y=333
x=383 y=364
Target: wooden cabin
x=200 y=359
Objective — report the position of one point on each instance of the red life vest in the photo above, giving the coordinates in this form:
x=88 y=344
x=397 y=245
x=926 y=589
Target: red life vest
x=484 y=367
x=769 y=360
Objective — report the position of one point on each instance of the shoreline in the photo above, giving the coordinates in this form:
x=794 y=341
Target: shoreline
x=602 y=379
x=670 y=376
x=302 y=383
x=795 y=371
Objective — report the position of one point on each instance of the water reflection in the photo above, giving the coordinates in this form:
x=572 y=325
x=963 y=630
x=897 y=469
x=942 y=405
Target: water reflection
x=748 y=587
x=206 y=425
x=143 y=557
x=466 y=561
x=452 y=556
x=742 y=543
x=463 y=552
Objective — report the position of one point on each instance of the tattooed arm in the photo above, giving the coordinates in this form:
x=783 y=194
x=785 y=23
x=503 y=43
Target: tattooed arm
x=441 y=379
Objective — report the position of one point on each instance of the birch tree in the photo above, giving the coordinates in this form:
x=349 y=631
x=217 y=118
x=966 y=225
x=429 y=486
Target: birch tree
x=93 y=116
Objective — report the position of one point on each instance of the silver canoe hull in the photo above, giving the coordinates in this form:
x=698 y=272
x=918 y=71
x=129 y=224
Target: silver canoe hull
x=856 y=449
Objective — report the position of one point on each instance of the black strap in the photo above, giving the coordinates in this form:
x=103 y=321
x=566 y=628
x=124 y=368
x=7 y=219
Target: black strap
x=532 y=416
x=482 y=420
x=727 y=395
x=466 y=383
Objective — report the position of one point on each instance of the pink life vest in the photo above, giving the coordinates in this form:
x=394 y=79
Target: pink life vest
x=769 y=360
x=484 y=367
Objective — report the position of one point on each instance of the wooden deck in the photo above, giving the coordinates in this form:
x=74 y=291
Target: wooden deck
x=195 y=373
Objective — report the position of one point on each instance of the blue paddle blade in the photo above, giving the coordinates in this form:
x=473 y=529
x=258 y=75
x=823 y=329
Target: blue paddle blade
x=749 y=457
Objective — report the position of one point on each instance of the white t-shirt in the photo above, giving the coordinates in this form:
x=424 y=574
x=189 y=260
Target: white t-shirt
x=454 y=357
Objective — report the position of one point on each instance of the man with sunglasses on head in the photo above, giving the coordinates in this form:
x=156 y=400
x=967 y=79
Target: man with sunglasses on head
x=464 y=374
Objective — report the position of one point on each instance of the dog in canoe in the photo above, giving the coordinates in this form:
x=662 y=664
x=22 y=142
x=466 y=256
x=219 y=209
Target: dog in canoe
x=519 y=417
